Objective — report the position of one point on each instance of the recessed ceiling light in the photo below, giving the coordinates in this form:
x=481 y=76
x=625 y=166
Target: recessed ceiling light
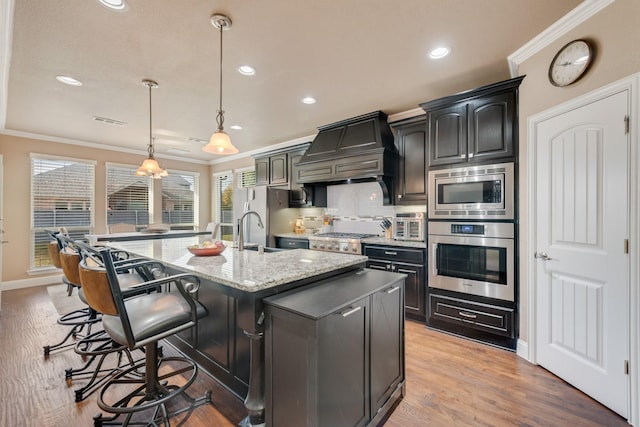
x=439 y=52
x=236 y=127
x=68 y=80
x=119 y=5
x=309 y=100
x=246 y=70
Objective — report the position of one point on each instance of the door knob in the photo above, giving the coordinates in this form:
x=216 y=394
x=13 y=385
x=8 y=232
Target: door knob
x=542 y=255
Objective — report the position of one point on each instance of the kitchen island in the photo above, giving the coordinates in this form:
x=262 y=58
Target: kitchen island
x=229 y=343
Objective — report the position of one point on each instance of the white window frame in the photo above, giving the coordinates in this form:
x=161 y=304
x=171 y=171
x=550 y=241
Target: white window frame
x=91 y=226
x=196 y=195
x=215 y=199
x=133 y=168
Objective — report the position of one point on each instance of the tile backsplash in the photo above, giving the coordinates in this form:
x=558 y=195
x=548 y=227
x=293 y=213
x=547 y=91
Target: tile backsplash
x=357 y=208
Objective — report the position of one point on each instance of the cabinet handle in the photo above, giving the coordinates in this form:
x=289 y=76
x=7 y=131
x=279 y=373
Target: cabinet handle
x=471 y=155
x=351 y=311
x=463 y=156
x=392 y=290
x=434 y=258
x=399 y=196
x=467 y=315
x=391 y=253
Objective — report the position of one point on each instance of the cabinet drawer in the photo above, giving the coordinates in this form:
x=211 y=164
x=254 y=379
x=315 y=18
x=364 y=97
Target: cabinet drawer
x=395 y=254
x=291 y=243
x=484 y=317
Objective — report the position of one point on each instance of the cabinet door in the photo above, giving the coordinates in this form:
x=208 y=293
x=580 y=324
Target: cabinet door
x=448 y=135
x=412 y=178
x=278 y=169
x=387 y=363
x=262 y=171
x=297 y=196
x=343 y=360
x=414 y=290
x=491 y=127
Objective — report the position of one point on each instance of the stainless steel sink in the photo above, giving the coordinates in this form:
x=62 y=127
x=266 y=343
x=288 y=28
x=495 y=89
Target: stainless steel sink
x=267 y=249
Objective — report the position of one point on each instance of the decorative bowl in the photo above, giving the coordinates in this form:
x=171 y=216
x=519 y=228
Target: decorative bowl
x=206 y=251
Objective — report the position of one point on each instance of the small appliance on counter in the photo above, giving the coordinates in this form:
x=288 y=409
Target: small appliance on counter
x=409 y=226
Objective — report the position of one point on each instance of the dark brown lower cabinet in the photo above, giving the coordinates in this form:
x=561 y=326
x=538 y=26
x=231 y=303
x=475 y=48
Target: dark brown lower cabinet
x=406 y=261
x=335 y=351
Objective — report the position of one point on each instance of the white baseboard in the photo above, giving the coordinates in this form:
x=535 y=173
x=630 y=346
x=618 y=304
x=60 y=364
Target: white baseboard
x=522 y=349
x=28 y=283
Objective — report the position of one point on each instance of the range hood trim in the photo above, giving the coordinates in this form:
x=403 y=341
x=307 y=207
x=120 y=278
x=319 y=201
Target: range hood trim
x=343 y=153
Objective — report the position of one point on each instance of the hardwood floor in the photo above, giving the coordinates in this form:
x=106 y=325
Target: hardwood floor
x=450 y=381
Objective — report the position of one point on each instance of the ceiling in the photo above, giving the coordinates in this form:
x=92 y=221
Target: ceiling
x=354 y=56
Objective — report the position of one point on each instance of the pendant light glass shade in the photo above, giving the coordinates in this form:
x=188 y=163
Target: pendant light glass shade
x=150 y=166
x=220 y=143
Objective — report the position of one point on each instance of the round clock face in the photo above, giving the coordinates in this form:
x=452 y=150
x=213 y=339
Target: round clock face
x=570 y=63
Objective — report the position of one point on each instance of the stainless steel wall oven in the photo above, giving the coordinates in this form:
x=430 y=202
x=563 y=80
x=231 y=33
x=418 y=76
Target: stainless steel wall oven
x=473 y=192
x=474 y=258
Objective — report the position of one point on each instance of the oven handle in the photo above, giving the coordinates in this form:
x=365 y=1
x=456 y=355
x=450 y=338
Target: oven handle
x=434 y=258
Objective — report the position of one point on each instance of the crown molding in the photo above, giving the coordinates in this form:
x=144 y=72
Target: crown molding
x=285 y=144
x=562 y=26
x=96 y=145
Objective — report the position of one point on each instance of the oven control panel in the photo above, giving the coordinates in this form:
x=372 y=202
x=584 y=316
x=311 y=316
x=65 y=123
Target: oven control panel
x=467 y=229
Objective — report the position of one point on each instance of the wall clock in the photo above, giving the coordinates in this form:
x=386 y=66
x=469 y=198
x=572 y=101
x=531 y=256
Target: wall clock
x=570 y=63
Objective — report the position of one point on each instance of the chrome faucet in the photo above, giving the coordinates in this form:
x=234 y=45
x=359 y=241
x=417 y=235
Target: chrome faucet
x=241 y=228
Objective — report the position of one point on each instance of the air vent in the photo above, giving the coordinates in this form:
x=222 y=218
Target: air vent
x=177 y=151
x=198 y=140
x=109 y=121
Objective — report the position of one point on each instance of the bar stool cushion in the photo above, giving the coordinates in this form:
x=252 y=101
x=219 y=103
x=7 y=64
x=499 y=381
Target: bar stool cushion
x=151 y=315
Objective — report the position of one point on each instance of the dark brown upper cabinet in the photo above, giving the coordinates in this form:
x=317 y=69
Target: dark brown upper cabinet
x=411 y=140
x=272 y=169
x=474 y=126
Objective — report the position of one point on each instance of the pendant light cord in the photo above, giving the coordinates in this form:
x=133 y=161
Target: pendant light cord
x=220 y=116
x=150 y=127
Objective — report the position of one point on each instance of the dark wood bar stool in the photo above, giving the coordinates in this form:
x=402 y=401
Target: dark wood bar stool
x=140 y=322
x=80 y=320
x=98 y=346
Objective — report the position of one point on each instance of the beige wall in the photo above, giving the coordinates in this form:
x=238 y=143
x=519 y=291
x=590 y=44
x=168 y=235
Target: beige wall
x=616 y=33
x=16 y=192
x=233 y=164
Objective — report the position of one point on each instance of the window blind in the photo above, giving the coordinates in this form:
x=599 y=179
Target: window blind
x=223 y=203
x=180 y=200
x=62 y=195
x=246 y=178
x=128 y=196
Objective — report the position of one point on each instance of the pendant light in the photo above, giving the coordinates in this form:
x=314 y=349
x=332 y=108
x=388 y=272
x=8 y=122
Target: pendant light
x=220 y=143
x=150 y=166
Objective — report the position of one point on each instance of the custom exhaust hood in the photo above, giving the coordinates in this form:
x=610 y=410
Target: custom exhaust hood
x=354 y=150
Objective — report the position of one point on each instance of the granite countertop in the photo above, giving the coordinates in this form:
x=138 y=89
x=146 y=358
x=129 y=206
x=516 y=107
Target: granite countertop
x=390 y=242
x=247 y=270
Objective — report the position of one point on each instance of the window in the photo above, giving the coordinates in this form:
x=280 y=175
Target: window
x=128 y=196
x=180 y=200
x=223 y=203
x=62 y=195
x=246 y=177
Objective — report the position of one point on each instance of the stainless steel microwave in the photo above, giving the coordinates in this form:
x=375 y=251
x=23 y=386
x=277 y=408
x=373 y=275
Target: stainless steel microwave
x=473 y=192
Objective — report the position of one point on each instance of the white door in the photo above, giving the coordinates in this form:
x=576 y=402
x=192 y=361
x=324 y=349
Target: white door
x=582 y=269
x=1 y=228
